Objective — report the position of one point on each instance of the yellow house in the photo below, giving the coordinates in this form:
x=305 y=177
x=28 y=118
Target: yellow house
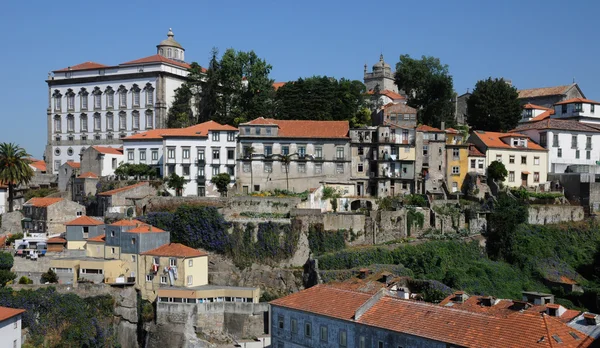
x=174 y=265
x=457 y=160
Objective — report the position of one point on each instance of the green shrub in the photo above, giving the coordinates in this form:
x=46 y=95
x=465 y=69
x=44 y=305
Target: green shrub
x=25 y=280
x=49 y=277
x=321 y=241
x=6 y=261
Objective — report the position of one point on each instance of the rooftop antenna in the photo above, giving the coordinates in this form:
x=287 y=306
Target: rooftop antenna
x=573 y=79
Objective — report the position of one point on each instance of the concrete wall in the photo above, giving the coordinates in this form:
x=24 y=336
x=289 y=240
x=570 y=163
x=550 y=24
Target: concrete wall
x=237 y=205
x=550 y=214
x=62 y=212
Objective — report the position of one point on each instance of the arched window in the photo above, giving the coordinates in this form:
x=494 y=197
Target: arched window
x=70 y=100
x=97 y=98
x=122 y=96
x=135 y=119
x=57 y=124
x=83 y=94
x=110 y=97
x=149 y=94
x=149 y=119
x=161 y=52
x=110 y=122
x=168 y=53
x=57 y=100
x=70 y=123
x=176 y=54
x=122 y=121
x=135 y=91
x=98 y=121
x=83 y=123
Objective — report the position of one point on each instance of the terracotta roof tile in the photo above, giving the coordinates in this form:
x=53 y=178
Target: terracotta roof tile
x=122 y=189
x=108 y=150
x=100 y=238
x=544 y=115
x=145 y=228
x=474 y=152
x=88 y=175
x=392 y=108
x=56 y=240
x=543 y=92
x=74 y=165
x=38 y=164
x=305 y=129
x=84 y=221
x=43 y=201
x=199 y=130
x=177 y=250
x=578 y=100
x=83 y=66
x=390 y=94
x=157 y=58
x=6 y=312
x=451 y=131
x=553 y=123
x=426 y=128
x=494 y=140
x=536 y=107
x=277 y=85
x=127 y=222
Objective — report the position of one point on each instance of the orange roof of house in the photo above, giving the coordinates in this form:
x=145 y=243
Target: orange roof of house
x=88 y=175
x=494 y=140
x=56 y=240
x=100 y=238
x=108 y=150
x=543 y=92
x=451 y=131
x=434 y=322
x=578 y=100
x=83 y=66
x=74 y=165
x=127 y=222
x=122 y=189
x=556 y=123
x=38 y=164
x=277 y=85
x=157 y=58
x=198 y=130
x=6 y=312
x=305 y=129
x=43 y=201
x=84 y=221
x=390 y=94
x=145 y=228
x=426 y=128
x=474 y=151
x=536 y=107
x=175 y=249
x=544 y=115
x=391 y=108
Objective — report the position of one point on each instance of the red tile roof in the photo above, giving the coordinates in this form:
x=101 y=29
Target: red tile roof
x=126 y=222
x=451 y=131
x=494 y=140
x=426 y=128
x=199 y=130
x=390 y=94
x=536 y=107
x=305 y=129
x=544 y=115
x=38 y=164
x=177 y=250
x=543 y=92
x=100 y=238
x=157 y=58
x=6 y=312
x=277 y=85
x=554 y=123
x=108 y=150
x=74 y=165
x=56 y=240
x=401 y=108
x=43 y=201
x=434 y=322
x=88 y=175
x=145 y=228
x=122 y=189
x=474 y=152
x=83 y=66
x=84 y=221
x=578 y=100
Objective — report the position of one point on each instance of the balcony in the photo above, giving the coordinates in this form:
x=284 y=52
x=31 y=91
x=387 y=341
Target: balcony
x=201 y=162
x=200 y=178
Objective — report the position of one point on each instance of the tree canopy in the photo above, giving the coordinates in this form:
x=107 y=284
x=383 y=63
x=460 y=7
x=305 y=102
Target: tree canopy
x=493 y=106
x=497 y=171
x=429 y=87
x=222 y=182
x=14 y=168
x=176 y=182
x=135 y=170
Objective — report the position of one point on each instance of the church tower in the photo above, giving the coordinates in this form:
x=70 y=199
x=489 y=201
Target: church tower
x=169 y=48
x=381 y=75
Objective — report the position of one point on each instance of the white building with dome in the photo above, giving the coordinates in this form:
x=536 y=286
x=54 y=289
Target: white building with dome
x=96 y=104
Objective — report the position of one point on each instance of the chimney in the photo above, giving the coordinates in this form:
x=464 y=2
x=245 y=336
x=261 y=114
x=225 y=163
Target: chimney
x=150 y=228
x=487 y=301
x=591 y=319
x=555 y=310
x=443 y=125
x=460 y=296
x=363 y=273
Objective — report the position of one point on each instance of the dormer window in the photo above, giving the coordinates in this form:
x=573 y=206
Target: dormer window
x=578 y=107
x=528 y=113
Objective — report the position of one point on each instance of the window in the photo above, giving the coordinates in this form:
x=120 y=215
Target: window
x=280 y=321
x=455 y=170
x=573 y=141
x=563 y=109
x=455 y=153
x=536 y=160
x=201 y=155
x=122 y=121
x=190 y=263
x=215 y=170
x=132 y=241
x=215 y=136
x=83 y=120
x=523 y=159
x=301 y=167
x=474 y=163
x=163 y=279
x=172 y=262
x=302 y=151
x=361 y=342
x=149 y=96
x=511 y=159
x=97 y=101
x=149 y=277
x=294 y=324
x=543 y=139
x=149 y=120
x=307 y=330
x=318 y=168
x=201 y=191
x=339 y=168
x=246 y=167
x=57 y=100
x=285 y=150
x=343 y=338
x=555 y=140
x=230 y=136
x=360 y=168
x=171 y=153
x=588 y=142
x=109 y=121
x=578 y=107
x=190 y=280
x=268 y=150
x=536 y=177
x=425 y=150
x=511 y=176
x=577 y=154
x=97 y=121
x=130 y=155
x=154 y=154
x=136 y=98
x=323 y=334
x=216 y=154
x=592 y=108
x=123 y=99
x=528 y=112
x=132 y=258
x=135 y=120
x=379 y=344
x=454 y=187
x=339 y=153
x=201 y=172
x=588 y=154
x=499 y=158
x=70 y=123
x=57 y=125
x=268 y=167
x=143 y=155
x=257 y=131
x=480 y=164
x=185 y=153
x=70 y=101
x=559 y=153
x=186 y=170
x=110 y=99
x=361 y=151
x=230 y=154
x=318 y=152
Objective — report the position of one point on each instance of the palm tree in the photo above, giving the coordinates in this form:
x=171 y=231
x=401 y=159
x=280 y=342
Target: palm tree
x=14 y=168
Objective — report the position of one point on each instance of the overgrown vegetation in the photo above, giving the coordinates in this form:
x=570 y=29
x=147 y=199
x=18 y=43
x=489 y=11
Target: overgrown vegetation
x=6 y=263
x=394 y=202
x=281 y=194
x=49 y=277
x=414 y=218
x=321 y=241
x=137 y=171
x=39 y=192
x=257 y=215
x=525 y=195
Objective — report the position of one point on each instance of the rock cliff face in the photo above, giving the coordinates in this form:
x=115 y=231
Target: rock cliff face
x=11 y=223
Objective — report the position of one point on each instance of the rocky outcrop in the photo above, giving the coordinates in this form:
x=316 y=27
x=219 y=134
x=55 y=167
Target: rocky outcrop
x=11 y=223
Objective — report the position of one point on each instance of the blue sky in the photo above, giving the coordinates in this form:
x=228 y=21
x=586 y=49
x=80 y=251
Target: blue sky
x=533 y=43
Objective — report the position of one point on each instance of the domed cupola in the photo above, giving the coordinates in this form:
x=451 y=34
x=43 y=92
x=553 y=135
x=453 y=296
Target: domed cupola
x=169 y=48
x=381 y=64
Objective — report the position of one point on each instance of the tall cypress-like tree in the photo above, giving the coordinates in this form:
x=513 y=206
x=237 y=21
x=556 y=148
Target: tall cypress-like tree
x=209 y=105
x=184 y=110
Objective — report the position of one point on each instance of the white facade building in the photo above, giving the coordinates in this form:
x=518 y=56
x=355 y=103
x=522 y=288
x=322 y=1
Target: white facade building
x=579 y=109
x=96 y=104
x=3 y=198
x=532 y=112
x=569 y=142
x=197 y=153
x=10 y=327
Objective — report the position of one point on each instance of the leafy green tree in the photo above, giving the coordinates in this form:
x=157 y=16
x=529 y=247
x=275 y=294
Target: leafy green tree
x=135 y=170
x=180 y=113
x=14 y=169
x=322 y=98
x=6 y=260
x=493 y=106
x=176 y=182
x=361 y=119
x=39 y=192
x=25 y=280
x=222 y=182
x=49 y=277
x=497 y=171
x=429 y=87
x=209 y=103
x=6 y=276
x=506 y=216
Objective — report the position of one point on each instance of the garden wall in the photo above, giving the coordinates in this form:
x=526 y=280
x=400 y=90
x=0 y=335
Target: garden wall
x=551 y=214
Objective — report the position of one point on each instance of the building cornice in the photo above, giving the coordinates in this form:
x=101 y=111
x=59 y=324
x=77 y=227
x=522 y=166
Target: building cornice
x=105 y=78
